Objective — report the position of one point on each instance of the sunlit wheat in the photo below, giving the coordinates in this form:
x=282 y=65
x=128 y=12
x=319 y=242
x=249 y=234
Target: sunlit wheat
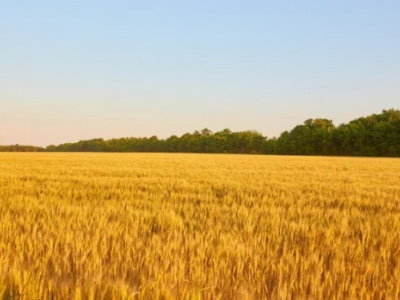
x=128 y=226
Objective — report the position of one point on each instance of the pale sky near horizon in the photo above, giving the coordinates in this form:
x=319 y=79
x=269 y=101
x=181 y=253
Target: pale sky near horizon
x=73 y=70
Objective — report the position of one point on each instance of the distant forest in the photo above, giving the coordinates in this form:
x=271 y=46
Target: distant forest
x=375 y=135
x=21 y=148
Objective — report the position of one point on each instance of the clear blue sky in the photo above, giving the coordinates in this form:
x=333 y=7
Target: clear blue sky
x=72 y=70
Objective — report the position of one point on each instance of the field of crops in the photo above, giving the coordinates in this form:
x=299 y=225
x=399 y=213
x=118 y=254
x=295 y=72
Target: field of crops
x=127 y=226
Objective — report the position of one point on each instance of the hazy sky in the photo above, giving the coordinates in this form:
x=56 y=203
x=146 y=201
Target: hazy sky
x=72 y=70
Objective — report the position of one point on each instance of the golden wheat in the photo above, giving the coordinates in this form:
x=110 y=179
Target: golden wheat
x=128 y=226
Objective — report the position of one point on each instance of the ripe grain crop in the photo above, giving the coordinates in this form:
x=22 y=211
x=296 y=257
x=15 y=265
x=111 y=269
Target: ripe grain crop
x=133 y=226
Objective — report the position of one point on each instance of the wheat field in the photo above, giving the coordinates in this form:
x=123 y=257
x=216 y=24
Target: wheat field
x=197 y=226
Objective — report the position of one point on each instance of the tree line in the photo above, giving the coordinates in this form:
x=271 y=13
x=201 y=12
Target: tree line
x=375 y=135
x=21 y=148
